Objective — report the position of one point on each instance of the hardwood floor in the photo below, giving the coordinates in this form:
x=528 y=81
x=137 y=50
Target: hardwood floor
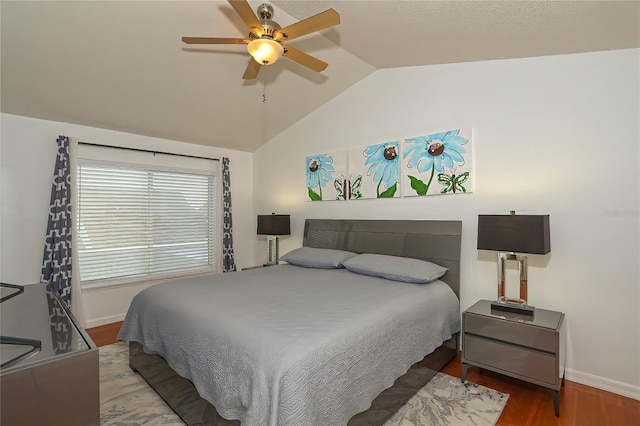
x=105 y=334
x=528 y=405
x=532 y=405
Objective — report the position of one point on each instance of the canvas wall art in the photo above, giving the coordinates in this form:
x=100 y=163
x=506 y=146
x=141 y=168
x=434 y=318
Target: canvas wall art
x=438 y=163
x=376 y=169
x=323 y=170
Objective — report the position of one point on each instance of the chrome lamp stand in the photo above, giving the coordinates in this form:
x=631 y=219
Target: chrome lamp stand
x=512 y=304
x=273 y=256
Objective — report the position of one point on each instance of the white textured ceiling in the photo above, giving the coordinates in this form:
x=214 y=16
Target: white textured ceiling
x=121 y=65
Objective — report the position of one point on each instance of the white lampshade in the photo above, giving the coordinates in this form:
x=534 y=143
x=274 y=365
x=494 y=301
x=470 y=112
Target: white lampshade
x=265 y=51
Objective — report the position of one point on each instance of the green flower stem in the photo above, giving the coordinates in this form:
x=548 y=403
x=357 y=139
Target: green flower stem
x=378 y=189
x=433 y=169
x=320 y=190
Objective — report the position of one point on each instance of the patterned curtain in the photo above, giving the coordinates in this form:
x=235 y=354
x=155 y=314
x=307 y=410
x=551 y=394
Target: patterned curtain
x=228 y=262
x=61 y=336
x=56 y=262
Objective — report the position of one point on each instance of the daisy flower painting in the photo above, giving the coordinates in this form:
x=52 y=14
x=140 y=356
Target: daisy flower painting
x=438 y=163
x=379 y=166
x=321 y=171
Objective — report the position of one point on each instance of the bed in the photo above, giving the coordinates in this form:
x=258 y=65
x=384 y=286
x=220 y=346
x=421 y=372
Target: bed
x=292 y=344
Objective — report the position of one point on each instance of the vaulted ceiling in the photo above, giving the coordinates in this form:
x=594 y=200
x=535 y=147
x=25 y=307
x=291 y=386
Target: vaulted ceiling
x=121 y=65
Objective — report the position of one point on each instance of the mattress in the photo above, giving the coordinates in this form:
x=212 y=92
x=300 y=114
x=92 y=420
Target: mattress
x=287 y=345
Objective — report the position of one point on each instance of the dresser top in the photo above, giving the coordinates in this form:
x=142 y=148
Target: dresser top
x=541 y=317
x=36 y=314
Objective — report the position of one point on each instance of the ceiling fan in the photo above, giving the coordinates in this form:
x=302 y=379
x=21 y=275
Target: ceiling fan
x=266 y=37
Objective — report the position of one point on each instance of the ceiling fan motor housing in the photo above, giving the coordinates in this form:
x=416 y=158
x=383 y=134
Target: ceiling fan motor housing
x=265 y=12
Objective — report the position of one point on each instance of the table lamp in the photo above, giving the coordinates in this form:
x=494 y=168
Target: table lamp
x=273 y=225
x=513 y=237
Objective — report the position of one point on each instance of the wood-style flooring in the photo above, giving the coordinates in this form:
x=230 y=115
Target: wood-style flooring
x=528 y=405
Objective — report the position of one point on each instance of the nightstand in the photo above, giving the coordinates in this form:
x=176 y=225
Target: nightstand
x=529 y=348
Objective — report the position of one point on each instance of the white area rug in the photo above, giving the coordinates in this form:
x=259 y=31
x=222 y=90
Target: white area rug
x=126 y=399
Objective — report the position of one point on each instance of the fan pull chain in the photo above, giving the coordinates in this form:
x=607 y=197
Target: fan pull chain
x=264 y=94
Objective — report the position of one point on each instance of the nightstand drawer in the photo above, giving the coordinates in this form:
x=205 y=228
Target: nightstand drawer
x=512 y=359
x=535 y=337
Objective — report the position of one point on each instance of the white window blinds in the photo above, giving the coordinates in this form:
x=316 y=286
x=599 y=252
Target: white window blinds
x=138 y=222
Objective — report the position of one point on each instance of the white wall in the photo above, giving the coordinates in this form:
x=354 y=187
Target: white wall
x=28 y=148
x=552 y=135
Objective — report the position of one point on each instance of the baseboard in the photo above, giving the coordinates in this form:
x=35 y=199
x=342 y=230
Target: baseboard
x=602 y=383
x=96 y=322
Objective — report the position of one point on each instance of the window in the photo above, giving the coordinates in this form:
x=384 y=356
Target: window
x=138 y=221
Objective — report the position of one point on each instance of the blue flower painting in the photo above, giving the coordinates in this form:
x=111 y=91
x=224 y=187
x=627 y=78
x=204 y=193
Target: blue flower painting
x=384 y=166
x=320 y=170
x=445 y=156
x=436 y=163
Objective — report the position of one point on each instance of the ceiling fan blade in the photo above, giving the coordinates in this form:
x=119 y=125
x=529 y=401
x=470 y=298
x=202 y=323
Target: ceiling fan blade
x=253 y=68
x=318 y=22
x=304 y=59
x=214 y=40
x=243 y=9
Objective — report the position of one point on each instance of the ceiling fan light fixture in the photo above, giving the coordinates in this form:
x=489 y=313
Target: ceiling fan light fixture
x=265 y=51
x=265 y=37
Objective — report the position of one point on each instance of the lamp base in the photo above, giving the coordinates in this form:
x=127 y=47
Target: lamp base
x=273 y=256
x=513 y=308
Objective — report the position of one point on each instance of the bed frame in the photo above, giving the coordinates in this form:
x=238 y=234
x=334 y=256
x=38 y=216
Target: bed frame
x=437 y=241
x=432 y=240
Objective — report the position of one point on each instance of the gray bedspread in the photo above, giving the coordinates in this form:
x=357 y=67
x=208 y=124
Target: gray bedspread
x=287 y=345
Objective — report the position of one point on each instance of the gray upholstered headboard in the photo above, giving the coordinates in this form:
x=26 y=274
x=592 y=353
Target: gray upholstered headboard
x=437 y=241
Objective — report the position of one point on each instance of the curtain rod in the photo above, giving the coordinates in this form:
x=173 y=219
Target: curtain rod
x=147 y=150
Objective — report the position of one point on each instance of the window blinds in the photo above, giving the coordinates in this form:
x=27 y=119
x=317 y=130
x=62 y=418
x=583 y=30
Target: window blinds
x=137 y=222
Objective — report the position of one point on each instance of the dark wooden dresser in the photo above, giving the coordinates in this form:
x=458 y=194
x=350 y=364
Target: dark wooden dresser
x=50 y=366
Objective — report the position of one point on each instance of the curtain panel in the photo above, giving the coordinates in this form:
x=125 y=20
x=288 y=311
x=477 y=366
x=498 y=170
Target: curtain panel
x=228 y=261
x=57 y=257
